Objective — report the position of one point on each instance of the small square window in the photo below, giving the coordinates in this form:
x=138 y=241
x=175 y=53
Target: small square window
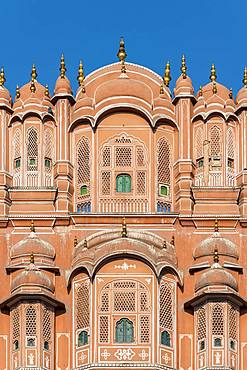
x=17 y=163
x=32 y=161
x=200 y=163
x=230 y=163
x=163 y=190
x=47 y=163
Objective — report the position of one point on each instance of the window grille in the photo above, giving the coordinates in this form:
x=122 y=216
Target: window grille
x=82 y=305
x=233 y=323
x=140 y=159
x=31 y=321
x=106 y=182
x=123 y=156
x=83 y=162
x=201 y=324
x=124 y=301
x=17 y=150
x=166 y=306
x=217 y=320
x=145 y=328
x=215 y=142
x=230 y=143
x=16 y=323
x=199 y=142
x=46 y=324
x=164 y=161
x=106 y=157
x=141 y=182
x=48 y=150
x=32 y=149
x=104 y=329
x=104 y=302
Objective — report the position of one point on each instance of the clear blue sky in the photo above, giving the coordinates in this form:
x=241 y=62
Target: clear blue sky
x=207 y=31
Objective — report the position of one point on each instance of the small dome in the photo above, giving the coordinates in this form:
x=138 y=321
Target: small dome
x=242 y=95
x=5 y=95
x=32 y=277
x=222 y=91
x=224 y=247
x=32 y=244
x=216 y=276
x=183 y=86
x=62 y=86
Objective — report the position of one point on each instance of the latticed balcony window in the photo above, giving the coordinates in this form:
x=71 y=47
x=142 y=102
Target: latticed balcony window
x=124 y=331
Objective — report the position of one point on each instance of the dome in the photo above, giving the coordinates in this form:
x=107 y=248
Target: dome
x=242 y=95
x=62 y=86
x=32 y=244
x=123 y=87
x=222 y=91
x=216 y=276
x=208 y=246
x=32 y=277
x=183 y=86
x=5 y=95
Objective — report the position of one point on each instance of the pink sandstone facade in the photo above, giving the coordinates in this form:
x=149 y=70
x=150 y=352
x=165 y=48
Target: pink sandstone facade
x=123 y=222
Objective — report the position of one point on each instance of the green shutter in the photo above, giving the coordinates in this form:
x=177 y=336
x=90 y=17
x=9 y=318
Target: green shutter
x=123 y=183
x=124 y=331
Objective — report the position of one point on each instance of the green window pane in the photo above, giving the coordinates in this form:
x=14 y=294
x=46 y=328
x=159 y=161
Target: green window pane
x=123 y=183
x=165 y=338
x=47 y=163
x=124 y=331
x=163 y=190
x=84 y=190
x=32 y=161
x=82 y=338
x=17 y=163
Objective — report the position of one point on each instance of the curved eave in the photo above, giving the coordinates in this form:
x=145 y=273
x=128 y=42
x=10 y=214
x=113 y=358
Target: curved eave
x=240 y=107
x=21 y=117
x=6 y=106
x=6 y=304
x=206 y=116
x=206 y=296
x=64 y=95
x=184 y=96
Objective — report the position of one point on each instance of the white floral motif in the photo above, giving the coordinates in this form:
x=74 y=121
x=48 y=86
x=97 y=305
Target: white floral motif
x=47 y=362
x=124 y=266
x=143 y=355
x=31 y=359
x=83 y=357
x=217 y=358
x=105 y=354
x=166 y=358
x=124 y=354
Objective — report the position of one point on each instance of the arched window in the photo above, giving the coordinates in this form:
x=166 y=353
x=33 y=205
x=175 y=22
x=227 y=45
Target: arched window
x=31 y=342
x=82 y=338
x=84 y=190
x=124 y=331
x=217 y=342
x=83 y=175
x=46 y=345
x=123 y=183
x=16 y=345
x=165 y=338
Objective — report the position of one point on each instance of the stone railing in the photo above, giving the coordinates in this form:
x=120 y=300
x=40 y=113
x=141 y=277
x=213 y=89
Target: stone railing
x=123 y=205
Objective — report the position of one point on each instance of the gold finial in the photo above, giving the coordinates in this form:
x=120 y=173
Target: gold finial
x=245 y=77
x=2 y=77
x=216 y=256
x=216 y=226
x=85 y=243
x=167 y=74
x=62 y=67
x=32 y=258
x=122 y=55
x=164 y=244
x=214 y=88
x=34 y=73
x=200 y=91
x=183 y=67
x=47 y=91
x=124 y=228
x=32 y=228
x=230 y=93
x=173 y=240
x=162 y=91
x=213 y=74
x=17 y=92
x=81 y=77
x=75 y=242
x=32 y=87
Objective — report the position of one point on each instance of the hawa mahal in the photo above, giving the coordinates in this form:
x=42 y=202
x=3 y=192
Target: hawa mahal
x=123 y=222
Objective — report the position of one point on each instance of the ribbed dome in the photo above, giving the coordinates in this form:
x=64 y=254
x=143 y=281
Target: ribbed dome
x=32 y=244
x=242 y=95
x=32 y=277
x=183 y=86
x=5 y=95
x=224 y=247
x=216 y=276
x=62 y=86
x=222 y=91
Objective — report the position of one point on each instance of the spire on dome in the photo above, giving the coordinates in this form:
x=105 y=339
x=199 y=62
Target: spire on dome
x=81 y=77
x=122 y=55
x=32 y=86
x=75 y=241
x=34 y=73
x=214 y=88
x=31 y=258
x=245 y=77
x=230 y=93
x=2 y=77
x=124 y=228
x=62 y=67
x=17 y=92
x=32 y=228
x=216 y=256
x=200 y=90
x=213 y=75
x=167 y=74
x=216 y=226
x=183 y=67
x=47 y=91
